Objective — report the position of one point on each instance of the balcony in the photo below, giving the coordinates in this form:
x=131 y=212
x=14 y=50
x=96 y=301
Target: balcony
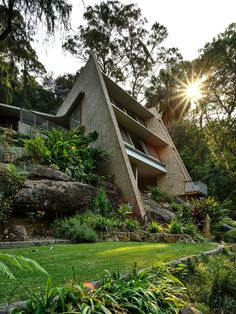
x=126 y=121
x=148 y=164
x=195 y=187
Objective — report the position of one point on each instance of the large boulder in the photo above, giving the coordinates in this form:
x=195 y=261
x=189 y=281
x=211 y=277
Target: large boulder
x=53 y=196
x=51 y=190
x=44 y=172
x=155 y=211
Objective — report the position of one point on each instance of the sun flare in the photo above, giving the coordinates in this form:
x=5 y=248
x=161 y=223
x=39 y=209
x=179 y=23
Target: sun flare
x=193 y=91
x=190 y=93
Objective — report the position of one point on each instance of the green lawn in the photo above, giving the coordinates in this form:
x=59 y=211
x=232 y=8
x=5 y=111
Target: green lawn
x=89 y=262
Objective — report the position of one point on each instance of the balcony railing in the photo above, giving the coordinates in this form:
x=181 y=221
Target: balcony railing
x=36 y=121
x=195 y=187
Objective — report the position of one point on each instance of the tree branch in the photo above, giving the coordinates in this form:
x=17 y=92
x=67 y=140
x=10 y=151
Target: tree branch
x=9 y=12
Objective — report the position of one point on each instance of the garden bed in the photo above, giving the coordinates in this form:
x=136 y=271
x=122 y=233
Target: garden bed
x=89 y=261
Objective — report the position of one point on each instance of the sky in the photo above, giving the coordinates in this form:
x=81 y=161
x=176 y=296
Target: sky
x=190 y=24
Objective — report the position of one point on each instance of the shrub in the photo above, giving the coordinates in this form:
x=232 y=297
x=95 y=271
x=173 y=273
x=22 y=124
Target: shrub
x=160 y=196
x=175 y=206
x=37 y=150
x=142 y=291
x=131 y=225
x=175 y=227
x=190 y=228
x=183 y=212
x=213 y=285
x=228 y=221
x=72 y=228
x=11 y=180
x=10 y=183
x=155 y=193
x=230 y=236
x=124 y=210
x=154 y=227
x=105 y=224
x=100 y=203
x=215 y=210
x=82 y=233
x=70 y=150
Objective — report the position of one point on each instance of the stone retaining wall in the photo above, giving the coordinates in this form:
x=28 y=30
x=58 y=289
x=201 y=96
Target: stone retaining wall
x=19 y=244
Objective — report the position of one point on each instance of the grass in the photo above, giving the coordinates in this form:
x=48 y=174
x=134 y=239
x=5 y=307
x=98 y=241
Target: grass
x=89 y=262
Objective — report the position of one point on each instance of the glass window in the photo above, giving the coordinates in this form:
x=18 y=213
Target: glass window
x=126 y=137
x=76 y=117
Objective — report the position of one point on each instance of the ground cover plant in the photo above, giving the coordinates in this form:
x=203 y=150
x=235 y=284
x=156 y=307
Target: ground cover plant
x=211 y=283
x=89 y=262
x=153 y=290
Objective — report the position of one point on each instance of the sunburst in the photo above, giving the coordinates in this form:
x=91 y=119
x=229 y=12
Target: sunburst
x=190 y=93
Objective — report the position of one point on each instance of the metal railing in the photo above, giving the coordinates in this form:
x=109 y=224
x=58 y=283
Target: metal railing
x=195 y=187
x=36 y=121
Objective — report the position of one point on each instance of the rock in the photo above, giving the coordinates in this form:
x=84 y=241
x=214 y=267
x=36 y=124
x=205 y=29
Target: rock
x=170 y=238
x=155 y=237
x=55 y=196
x=52 y=190
x=123 y=238
x=154 y=211
x=179 y=200
x=184 y=238
x=15 y=233
x=20 y=305
x=190 y=310
x=113 y=194
x=225 y=227
x=135 y=237
x=44 y=172
x=207 y=228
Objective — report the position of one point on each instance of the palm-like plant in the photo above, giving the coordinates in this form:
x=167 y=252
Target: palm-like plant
x=19 y=262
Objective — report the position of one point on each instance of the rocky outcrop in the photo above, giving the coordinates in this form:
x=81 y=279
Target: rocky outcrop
x=52 y=195
x=155 y=211
x=53 y=191
x=44 y=172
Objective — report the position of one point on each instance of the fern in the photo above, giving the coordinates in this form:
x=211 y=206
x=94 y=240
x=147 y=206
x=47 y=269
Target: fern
x=4 y=270
x=19 y=262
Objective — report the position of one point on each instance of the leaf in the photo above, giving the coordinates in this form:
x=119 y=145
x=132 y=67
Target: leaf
x=4 y=270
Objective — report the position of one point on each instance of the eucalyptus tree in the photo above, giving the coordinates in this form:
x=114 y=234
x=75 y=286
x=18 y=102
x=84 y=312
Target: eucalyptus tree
x=126 y=49
x=218 y=66
x=18 y=61
x=52 y=13
x=167 y=90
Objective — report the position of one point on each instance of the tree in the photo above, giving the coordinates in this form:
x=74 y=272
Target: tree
x=218 y=66
x=221 y=139
x=125 y=48
x=50 y=12
x=166 y=91
x=194 y=148
x=63 y=84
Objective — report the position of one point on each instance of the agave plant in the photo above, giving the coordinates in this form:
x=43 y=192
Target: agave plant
x=19 y=262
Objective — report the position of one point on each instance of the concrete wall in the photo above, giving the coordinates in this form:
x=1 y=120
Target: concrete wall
x=177 y=174
x=97 y=114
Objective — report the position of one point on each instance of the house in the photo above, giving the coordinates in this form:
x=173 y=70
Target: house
x=141 y=151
